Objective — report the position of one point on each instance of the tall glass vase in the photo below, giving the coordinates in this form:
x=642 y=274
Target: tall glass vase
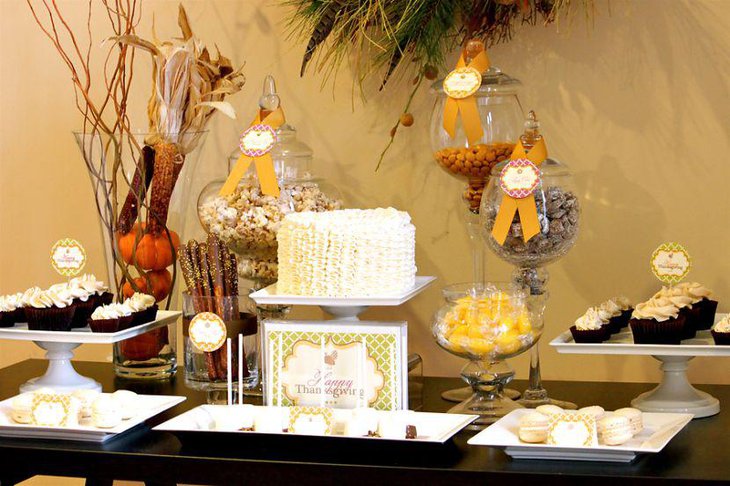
x=142 y=188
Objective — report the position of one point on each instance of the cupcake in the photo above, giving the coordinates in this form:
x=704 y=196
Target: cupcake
x=624 y=304
x=85 y=302
x=657 y=321
x=95 y=287
x=721 y=331
x=144 y=308
x=589 y=328
x=610 y=313
x=705 y=307
x=49 y=310
x=684 y=303
x=11 y=310
x=105 y=319
x=125 y=316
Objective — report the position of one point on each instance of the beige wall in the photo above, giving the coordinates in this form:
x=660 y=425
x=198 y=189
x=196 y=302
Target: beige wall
x=637 y=105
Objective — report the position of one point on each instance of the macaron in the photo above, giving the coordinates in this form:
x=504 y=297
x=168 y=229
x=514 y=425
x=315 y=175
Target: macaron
x=595 y=411
x=21 y=408
x=362 y=422
x=635 y=416
x=614 y=430
x=106 y=412
x=235 y=417
x=549 y=410
x=272 y=420
x=86 y=399
x=534 y=428
x=128 y=403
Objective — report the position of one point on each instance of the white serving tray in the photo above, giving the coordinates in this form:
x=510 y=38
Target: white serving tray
x=20 y=332
x=659 y=429
x=270 y=295
x=431 y=427
x=150 y=405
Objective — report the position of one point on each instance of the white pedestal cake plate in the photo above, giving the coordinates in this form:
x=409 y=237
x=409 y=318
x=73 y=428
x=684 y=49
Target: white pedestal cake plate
x=674 y=393
x=342 y=308
x=59 y=346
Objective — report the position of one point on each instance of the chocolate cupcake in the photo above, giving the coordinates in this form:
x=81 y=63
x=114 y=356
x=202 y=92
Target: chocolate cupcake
x=704 y=307
x=610 y=314
x=589 y=328
x=686 y=309
x=626 y=310
x=106 y=319
x=11 y=311
x=49 y=311
x=97 y=288
x=721 y=331
x=83 y=301
x=657 y=321
x=144 y=308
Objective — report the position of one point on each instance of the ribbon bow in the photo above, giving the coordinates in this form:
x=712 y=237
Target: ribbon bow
x=524 y=202
x=256 y=143
x=466 y=105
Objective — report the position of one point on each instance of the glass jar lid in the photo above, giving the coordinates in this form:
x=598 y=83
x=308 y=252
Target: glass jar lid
x=494 y=83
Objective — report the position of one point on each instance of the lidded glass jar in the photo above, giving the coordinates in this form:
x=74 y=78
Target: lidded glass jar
x=501 y=118
x=558 y=211
x=247 y=220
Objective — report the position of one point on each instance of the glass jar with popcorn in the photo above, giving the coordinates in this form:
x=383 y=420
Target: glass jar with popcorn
x=487 y=323
x=247 y=220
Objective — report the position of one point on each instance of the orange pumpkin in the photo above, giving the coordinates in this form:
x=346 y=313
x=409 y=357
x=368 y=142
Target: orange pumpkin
x=145 y=346
x=153 y=252
x=160 y=283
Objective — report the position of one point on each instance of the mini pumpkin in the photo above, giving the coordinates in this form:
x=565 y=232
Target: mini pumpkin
x=160 y=282
x=153 y=252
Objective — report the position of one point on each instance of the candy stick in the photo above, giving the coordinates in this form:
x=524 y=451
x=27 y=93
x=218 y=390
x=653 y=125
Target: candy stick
x=228 y=374
x=240 y=369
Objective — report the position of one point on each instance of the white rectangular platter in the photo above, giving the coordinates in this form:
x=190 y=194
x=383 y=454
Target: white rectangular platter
x=270 y=295
x=20 y=332
x=431 y=427
x=623 y=343
x=149 y=406
x=659 y=429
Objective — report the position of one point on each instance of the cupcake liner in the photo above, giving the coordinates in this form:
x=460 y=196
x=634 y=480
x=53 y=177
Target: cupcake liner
x=615 y=324
x=104 y=325
x=7 y=319
x=688 y=331
x=50 y=319
x=83 y=312
x=104 y=299
x=125 y=322
x=625 y=317
x=706 y=310
x=590 y=335
x=721 y=338
x=650 y=331
x=144 y=316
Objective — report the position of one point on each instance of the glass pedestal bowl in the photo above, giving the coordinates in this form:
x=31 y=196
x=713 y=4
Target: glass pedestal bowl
x=487 y=324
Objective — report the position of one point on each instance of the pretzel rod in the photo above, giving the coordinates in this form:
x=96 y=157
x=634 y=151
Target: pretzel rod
x=215 y=265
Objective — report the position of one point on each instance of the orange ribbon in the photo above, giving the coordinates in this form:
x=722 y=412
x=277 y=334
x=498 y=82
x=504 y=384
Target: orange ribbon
x=263 y=162
x=525 y=207
x=466 y=106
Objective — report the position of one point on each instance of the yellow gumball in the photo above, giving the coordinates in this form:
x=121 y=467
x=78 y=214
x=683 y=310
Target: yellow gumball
x=479 y=346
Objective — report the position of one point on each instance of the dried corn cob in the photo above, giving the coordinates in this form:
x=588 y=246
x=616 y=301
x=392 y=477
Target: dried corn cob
x=167 y=167
x=138 y=190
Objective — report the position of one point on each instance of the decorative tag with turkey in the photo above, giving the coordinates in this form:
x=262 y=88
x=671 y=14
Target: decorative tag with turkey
x=519 y=178
x=68 y=257
x=50 y=410
x=462 y=82
x=207 y=332
x=670 y=262
x=257 y=140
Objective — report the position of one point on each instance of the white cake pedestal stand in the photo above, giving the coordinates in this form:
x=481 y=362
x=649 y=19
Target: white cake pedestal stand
x=674 y=393
x=345 y=309
x=59 y=346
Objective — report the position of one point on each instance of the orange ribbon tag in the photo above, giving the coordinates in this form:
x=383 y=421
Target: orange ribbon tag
x=460 y=86
x=518 y=180
x=256 y=143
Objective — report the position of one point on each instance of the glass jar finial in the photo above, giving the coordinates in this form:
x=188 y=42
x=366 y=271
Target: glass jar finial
x=532 y=131
x=269 y=100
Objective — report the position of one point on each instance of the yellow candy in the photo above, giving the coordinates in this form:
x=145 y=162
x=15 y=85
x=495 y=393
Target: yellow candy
x=475 y=332
x=460 y=330
x=523 y=324
x=508 y=343
x=479 y=346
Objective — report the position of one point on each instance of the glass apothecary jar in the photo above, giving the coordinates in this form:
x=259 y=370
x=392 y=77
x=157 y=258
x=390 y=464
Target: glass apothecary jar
x=501 y=119
x=248 y=220
x=208 y=371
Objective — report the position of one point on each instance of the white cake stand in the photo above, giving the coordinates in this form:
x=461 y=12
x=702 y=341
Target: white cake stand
x=674 y=393
x=341 y=308
x=59 y=347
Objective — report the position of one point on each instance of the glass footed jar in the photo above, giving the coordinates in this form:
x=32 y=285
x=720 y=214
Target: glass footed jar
x=487 y=324
x=248 y=220
x=501 y=118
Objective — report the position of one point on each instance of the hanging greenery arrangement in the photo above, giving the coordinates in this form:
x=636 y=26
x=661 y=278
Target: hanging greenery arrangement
x=382 y=37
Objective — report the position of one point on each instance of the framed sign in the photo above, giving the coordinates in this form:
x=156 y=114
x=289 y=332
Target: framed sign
x=335 y=364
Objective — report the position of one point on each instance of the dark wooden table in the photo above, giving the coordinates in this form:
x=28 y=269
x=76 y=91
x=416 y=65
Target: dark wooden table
x=698 y=454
